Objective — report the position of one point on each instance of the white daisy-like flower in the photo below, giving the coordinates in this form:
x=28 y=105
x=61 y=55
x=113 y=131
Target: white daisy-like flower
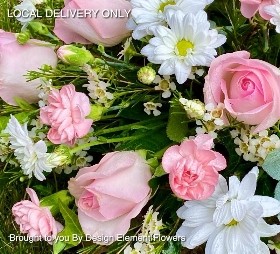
x=146 y=15
x=33 y=158
x=151 y=107
x=188 y=42
x=274 y=11
x=231 y=220
x=165 y=85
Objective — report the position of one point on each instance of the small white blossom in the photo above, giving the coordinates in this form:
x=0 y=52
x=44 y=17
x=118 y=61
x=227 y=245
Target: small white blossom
x=212 y=120
x=254 y=147
x=231 y=220
x=165 y=85
x=274 y=11
x=151 y=225
x=140 y=248
x=33 y=158
x=273 y=246
x=187 y=43
x=151 y=107
x=98 y=91
x=28 y=7
x=45 y=88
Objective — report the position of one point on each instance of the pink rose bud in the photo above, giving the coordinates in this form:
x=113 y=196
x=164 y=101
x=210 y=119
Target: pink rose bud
x=193 y=168
x=72 y=55
x=100 y=27
x=250 y=7
x=66 y=114
x=110 y=194
x=34 y=220
x=16 y=61
x=249 y=89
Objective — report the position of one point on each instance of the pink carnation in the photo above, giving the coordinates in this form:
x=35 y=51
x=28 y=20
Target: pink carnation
x=66 y=114
x=193 y=168
x=34 y=220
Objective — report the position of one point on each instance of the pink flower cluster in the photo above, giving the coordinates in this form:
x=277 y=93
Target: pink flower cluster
x=65 y=113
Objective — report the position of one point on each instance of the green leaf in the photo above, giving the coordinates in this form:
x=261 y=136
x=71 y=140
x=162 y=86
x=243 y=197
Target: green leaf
x=72 y=225
x=23 y=104
x=96 y=112
x=53 y=201
x=277 y=191
x=172 y=248
x=3 y=122
x=58 y=247
x=159 y=171
x=272 y=164
x=177 y=127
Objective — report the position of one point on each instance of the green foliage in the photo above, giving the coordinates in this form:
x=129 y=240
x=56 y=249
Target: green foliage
x=53 y=201
x=72 y=226
x=272 y=164
x=177 y=127
x=172 y=248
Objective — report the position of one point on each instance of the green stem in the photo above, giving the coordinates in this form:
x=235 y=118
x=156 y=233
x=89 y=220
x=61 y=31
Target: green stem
x=107 y=141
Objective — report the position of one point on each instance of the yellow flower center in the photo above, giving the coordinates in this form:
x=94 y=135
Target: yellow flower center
x=183 y=46
x=232 y=223
x=168 y=2
x=164 y=84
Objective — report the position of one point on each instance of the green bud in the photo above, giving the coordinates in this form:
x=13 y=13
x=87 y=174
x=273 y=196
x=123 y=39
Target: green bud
x=96 y=112
x=74 y=56
x=39 y=28
x=23 y=37
x=61 y=156
x=146 y=75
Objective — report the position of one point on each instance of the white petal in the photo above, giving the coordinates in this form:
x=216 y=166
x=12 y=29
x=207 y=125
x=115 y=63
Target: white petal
x=266 y=230
x=200 y=235
x=233 y=186
x=248 y=184
x=182 y=71
x=238 y=209
x=216 y=243
x=263 y=249
x=271 y=206
x=223 y=215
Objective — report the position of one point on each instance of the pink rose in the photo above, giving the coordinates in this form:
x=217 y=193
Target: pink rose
x=15 y=61
x=192 y=168
x=98 y=29
x=65 y=113
x=111 y=193
x=34 y=220
x=249 y=89
x=250 y=7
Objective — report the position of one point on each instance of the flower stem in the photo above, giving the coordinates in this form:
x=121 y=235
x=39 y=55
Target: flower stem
x=105 y=141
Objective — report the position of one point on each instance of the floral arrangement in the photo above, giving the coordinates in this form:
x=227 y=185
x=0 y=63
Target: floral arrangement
x=141 y=126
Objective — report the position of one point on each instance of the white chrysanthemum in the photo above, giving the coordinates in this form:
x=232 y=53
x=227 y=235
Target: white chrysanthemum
x=274 y=11
x=231 y=220
x=188 y=42
x=151 y=107
x=33 y=158
x=165 y=85
x=145 y=15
